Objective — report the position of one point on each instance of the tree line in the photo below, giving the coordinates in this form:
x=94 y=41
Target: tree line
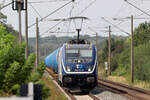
x=121 y=54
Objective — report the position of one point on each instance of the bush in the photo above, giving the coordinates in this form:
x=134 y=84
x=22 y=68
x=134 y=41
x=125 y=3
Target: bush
x=5 y=55
x=142 y=57
x=34 y=77
x=114 y=62
x=14 y=69
x=41 y=68
x=11 y=76
x=141 y=62
x=27 y=68
x=45 y=92
x=15 y=90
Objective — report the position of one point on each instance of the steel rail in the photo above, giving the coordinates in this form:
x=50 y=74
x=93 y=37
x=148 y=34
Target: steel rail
x=125 y=90
x=55 y=77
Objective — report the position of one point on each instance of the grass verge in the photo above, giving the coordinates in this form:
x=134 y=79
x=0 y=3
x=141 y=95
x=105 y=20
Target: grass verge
x=125 y=79
x=55 y=93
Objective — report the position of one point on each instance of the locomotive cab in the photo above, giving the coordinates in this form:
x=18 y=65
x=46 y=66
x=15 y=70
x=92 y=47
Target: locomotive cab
x=79 y=65
x=76 y=64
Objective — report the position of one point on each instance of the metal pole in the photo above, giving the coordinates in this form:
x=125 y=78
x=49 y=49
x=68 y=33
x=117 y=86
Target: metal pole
x=26 y=28
x=132 y=51
x=37 y=44
x=109 y=50
x=78 y=37
x=20 y=30
x=45 y=52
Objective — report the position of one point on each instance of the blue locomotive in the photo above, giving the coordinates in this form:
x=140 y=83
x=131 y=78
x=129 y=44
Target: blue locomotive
x=75 y=64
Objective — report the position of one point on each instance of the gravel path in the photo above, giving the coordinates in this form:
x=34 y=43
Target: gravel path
x=106 y=95
x=83 y=97
x=80 y=95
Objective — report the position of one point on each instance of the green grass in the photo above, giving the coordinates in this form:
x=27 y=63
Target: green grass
x=121 y=75
x=101 y=72
x=55 y=93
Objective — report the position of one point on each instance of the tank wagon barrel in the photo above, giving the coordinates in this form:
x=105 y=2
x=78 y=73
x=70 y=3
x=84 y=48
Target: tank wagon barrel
x=51 y=60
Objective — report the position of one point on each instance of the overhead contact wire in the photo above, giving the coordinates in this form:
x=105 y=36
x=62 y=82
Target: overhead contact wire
x=87 y=7
x=48 y=1
x=6 y=5
x=116 y=26
x=51 y=28
x=70 y=16
x=35 y=10
x=50 y=14
x=137 y=8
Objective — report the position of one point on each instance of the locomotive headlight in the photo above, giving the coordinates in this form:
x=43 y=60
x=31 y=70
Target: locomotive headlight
x=90 y=68
x=68 y=69
x=79 y=61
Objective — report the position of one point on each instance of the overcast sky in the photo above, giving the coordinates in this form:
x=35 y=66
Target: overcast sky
x=100 y=8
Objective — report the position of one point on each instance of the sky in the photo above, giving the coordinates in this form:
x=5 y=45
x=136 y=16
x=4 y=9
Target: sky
x=109 y=9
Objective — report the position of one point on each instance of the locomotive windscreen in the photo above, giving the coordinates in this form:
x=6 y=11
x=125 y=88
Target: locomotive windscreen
x=80 y=53
x=86 y=53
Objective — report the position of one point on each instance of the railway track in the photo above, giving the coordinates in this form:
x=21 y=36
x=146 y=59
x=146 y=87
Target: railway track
x=70 y=95
x=130 y=92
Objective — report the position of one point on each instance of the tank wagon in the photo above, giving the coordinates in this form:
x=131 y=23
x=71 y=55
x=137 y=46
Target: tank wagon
x=76 y=65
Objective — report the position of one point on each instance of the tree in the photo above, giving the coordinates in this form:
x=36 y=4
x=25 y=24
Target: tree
x=14 y=69
x=6 y=44
x=142 y=34
x=117 y=47
x=11 y=75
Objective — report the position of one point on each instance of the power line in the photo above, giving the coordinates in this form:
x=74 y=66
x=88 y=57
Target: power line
x=102 y=30
x=35 y=10
x=70 y=16
x=63 y=19
x=137 y=8
x=87 y=7
x=143 y=13
x=51 y=13
x=51 y=28
x=6 y=5
x=61 y=32
x=47 y=1
x=115 y=26
x=119 y=9
x=133 y=18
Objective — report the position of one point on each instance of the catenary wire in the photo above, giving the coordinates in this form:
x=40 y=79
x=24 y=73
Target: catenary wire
x=35 y=10
x=50 y=14
x=5 y=5
x=87 y=7
x=47 y=1
x=115 y=26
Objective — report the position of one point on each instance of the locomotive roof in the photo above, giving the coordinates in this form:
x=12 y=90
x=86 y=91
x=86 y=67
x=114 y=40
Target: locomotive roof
x=81 y=41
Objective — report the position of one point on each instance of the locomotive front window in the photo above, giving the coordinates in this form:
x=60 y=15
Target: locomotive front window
x=86 y=53
x=79 y=53
x=72 y=53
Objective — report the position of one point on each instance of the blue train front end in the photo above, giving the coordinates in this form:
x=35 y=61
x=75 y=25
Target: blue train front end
x=77 y=66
